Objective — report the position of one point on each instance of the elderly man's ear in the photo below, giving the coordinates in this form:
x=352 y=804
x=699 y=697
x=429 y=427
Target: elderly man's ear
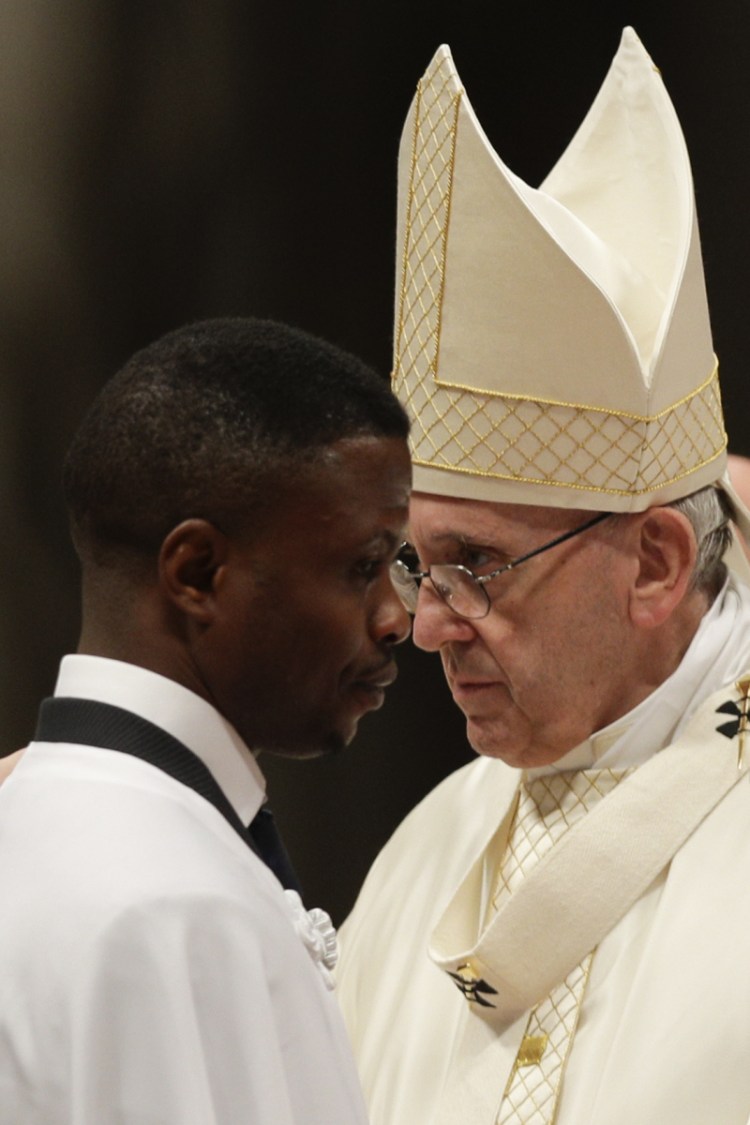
x=667 y=552
x=8 y=764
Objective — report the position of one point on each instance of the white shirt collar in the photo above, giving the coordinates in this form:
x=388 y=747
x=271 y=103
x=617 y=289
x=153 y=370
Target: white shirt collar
x=180 y=712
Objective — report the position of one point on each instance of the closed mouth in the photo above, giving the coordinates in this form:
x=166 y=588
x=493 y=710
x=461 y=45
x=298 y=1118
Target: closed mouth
x=471 y=687
x=379 y=680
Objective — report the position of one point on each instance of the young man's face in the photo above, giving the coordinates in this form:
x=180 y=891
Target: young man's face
x=302 y=647
x=554 y=660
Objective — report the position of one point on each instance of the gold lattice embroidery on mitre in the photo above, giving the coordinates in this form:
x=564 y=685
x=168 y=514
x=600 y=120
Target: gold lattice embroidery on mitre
x=508 y=437
x=430 y=186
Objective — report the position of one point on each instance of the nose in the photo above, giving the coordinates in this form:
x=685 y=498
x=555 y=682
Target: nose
x=390 y=621
x=435 y=624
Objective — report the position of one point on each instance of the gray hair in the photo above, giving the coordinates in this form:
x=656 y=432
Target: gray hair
x=709 y=513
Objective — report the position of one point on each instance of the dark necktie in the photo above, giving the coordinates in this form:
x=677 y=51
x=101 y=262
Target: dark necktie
x=270 y=847
x=91 y=723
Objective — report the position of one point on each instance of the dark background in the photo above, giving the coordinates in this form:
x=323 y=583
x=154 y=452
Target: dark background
x=165 y=161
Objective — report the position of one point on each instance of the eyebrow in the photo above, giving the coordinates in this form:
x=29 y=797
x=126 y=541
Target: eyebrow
x=446 y=537
x=386 y=538
x=458 y=537
x=462 y=540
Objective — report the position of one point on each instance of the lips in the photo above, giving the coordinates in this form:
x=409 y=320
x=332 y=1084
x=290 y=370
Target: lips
x=470 y=687
x=369 y=690
x=463 y=679
x=467 y=691
x=379 y=679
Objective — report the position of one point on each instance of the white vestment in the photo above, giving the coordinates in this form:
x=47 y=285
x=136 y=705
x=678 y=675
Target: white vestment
x=664 y=1025
x=150 y=971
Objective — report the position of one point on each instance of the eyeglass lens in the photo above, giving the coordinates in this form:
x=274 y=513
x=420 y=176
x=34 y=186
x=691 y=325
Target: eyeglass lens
x=455 y=585
x=405 y=585
x=459 y=589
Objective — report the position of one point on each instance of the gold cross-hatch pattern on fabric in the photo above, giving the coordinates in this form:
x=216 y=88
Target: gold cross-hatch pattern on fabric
x=570 y=446
x=547 y=808
x=511 y=436
x=430 y=184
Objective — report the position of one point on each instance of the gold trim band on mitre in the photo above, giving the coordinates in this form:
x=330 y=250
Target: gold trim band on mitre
x=511 y=438
x=563 y=484
x=448 y=385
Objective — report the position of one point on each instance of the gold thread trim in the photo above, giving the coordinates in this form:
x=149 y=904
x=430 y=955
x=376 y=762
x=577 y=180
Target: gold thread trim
x=743 y=687
x=408 y=230
x=444 y=242
x=537 y=399
x=517 y=1063
x=571 y=1037
x=572 y=484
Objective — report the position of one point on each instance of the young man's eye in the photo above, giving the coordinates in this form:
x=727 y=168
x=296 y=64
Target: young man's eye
x=369 y=569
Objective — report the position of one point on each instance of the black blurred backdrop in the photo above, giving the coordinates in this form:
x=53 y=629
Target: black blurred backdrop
x=167 y=161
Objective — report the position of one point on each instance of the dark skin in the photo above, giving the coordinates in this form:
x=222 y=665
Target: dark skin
x=287 y=630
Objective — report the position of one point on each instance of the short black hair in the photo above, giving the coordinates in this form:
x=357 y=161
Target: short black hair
x=209 y=422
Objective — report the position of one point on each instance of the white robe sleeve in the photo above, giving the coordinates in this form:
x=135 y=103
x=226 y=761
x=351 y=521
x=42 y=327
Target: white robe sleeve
x=200 y=1013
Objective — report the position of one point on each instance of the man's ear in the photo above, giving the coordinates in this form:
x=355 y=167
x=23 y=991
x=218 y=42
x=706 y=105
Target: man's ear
x=667 y=551
x=191 y=567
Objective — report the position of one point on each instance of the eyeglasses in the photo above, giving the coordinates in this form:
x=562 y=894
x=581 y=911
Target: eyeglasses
x=461 y=590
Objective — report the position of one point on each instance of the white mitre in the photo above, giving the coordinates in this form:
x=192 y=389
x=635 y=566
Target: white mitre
x=553 y=345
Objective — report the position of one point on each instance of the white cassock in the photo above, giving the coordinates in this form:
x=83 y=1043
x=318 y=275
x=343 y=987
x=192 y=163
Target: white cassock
x=150 y=969
x=655 y=880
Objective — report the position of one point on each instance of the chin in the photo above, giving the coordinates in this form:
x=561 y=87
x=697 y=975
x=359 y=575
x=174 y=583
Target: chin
x=502 y=744
x=333 y=743
x=339 y=740
x=519 y=757
x=304 y=747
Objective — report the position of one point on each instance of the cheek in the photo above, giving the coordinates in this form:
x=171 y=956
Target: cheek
x=326 y=642
x=539 y=646
x=515 y=641
x=587 y=642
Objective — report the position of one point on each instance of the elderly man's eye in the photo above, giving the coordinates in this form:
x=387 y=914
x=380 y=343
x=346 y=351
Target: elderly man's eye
x=408 y=557
x=476 y=559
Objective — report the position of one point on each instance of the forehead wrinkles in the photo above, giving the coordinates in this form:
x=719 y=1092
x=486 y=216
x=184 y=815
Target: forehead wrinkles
x=445 y=520
x=441 y=531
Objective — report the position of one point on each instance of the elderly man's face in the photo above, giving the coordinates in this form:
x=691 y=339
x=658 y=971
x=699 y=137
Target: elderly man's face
x=555 y=658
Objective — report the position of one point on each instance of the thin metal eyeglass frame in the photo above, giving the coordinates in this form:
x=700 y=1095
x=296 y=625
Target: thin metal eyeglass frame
x=480 y=580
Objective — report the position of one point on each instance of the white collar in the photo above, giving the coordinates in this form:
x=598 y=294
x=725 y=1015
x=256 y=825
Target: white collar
x=180 y=712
